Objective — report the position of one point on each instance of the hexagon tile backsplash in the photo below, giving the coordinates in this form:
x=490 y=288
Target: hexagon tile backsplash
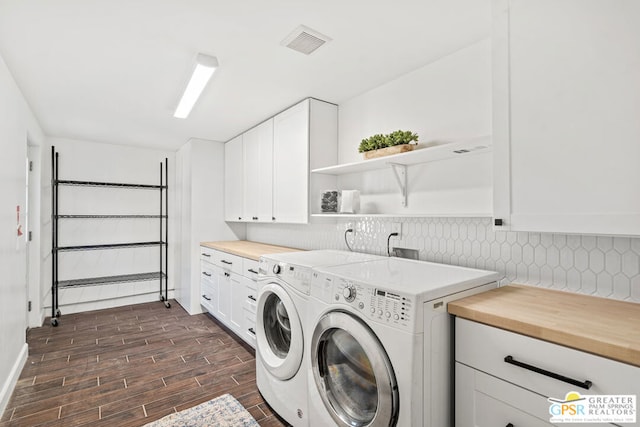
x=599 y=265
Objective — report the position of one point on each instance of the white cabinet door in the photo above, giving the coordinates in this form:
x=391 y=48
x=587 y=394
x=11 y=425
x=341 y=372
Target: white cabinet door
x=224 y=295
x=566 y=97
x=233 y=180
x=238 y=296
x=258 y=172
x=291 y=164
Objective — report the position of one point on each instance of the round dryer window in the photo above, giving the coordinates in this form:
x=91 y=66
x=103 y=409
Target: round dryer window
x=353 y=373
x=279 y=332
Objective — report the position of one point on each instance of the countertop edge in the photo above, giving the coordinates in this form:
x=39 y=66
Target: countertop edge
x=480 y=309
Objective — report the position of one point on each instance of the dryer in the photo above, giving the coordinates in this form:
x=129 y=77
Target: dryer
x=380 y=341
x=283 y=292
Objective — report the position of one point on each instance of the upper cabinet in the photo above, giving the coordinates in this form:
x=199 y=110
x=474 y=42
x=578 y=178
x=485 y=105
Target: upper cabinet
x=258 y=172
x=566 y=103
x=276 y=160
x=233 y=180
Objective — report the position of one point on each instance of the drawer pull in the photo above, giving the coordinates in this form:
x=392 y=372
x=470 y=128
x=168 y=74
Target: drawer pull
x=582 y=384
x=252 y=331
x=251 y=270
x=224 y=261
x=251 y=297
x=227 y=274
x=509 y=425
x=206 y=274
x=207 y=255
x=206 y=297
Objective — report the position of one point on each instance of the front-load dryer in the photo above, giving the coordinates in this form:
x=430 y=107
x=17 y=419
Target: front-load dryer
x=281 y=359
x=380 y=344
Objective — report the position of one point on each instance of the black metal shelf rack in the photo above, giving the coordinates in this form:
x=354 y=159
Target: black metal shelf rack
x=162 y=243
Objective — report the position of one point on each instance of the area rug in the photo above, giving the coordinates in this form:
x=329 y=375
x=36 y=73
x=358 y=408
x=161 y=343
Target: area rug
x=223 y=411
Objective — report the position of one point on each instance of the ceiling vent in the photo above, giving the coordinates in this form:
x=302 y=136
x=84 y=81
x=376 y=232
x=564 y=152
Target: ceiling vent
x=305 y=40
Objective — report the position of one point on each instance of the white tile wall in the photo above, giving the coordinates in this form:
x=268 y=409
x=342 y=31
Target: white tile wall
x=599 y=265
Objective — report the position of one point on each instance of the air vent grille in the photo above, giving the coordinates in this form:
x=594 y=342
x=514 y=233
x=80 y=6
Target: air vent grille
x=305 y=40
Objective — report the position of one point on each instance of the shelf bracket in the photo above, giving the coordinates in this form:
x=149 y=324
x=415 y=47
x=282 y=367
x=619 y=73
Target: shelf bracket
x=400 y=171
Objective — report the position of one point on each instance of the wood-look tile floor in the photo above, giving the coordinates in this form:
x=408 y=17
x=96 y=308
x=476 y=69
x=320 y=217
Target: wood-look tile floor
x=128 y=366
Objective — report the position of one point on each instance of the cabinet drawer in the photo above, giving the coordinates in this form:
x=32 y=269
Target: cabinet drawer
x=485 y=401
x=487 y=348
x=249 y=334
x=208 y=296
x=228 y=262
x=250 y=268
x=207 y=254
x=207 y=271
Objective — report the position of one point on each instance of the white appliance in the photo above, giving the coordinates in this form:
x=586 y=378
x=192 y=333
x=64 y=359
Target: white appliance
x=380 y=341
x=283 y=292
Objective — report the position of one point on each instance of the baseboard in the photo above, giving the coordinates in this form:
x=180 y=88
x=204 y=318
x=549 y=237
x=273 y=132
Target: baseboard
x=10 y=383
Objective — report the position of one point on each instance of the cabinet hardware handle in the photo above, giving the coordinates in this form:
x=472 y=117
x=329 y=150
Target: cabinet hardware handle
x=252 y=331
x=582 y=384
x=273 y=218
x=206 y=274
x=251 y=297
x=239 y=218
x=498 y=222
x=207 y=255
x=251 y=270
x=224 y=261
x=255 y=218
x=227 y=274
x=206 y=297
x=509 y=425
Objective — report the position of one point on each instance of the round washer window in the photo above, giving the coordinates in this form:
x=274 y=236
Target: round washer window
x=277 y=326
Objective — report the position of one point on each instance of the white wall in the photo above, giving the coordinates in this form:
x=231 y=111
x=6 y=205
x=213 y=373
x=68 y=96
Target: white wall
x=201 y=179
x=445 y=101
x=17 y=124
x=92 y=161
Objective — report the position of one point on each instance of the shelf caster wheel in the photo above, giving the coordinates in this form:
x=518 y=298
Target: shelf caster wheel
x=58 y=313
x=167 y=304
x=161 y=297
x=54 y=322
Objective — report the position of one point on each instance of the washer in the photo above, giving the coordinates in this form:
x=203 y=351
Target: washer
x=380 y=342
x=283 y=292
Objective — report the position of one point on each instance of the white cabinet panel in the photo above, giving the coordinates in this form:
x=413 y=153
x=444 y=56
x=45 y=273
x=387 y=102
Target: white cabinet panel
x=258 y=172
x=566 y=107
x=291 y=164
x=233 y=180
x=237 y=298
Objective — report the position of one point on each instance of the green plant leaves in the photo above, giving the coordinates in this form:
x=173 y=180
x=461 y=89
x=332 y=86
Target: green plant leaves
x=378 y=141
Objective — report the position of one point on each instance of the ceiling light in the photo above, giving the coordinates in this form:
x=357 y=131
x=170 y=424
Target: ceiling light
x=205 y=67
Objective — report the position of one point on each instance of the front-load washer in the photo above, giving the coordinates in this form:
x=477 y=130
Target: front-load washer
x=283 y=291
x=380 y=341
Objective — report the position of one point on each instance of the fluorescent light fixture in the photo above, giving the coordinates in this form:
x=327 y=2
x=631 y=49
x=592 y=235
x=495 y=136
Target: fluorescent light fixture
x=205 y=67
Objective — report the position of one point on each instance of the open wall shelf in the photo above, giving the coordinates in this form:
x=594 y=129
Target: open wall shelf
x=162 y=243
x=106 y=280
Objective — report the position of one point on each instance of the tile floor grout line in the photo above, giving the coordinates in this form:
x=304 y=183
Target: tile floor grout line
x=196 y=378
x=99 y=412
x=234 y=380
x=145 y=411
x=59 y=412
x=125 y=382
x=34 y=380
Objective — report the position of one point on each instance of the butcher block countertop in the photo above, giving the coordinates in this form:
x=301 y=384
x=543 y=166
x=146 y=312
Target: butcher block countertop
x=601 y=326
x=247 y=249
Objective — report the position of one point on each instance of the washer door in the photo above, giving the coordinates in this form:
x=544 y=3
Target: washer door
x=353 y=373
x=279 y=339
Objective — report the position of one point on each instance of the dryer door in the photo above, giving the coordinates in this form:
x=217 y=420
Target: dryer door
x=353 y=373
x=279 y=340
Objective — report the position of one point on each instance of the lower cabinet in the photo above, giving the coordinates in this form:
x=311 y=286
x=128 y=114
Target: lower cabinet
x=504 y=379
x=228 y=290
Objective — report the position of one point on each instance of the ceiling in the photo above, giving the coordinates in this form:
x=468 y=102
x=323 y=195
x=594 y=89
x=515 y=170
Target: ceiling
x=113 y=70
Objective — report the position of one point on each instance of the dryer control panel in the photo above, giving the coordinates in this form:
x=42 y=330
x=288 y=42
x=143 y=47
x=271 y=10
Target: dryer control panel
x=381 y=305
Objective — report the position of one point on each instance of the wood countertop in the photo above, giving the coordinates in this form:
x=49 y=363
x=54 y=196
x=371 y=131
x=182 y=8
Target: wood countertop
x=605 y=327
x=247 y=249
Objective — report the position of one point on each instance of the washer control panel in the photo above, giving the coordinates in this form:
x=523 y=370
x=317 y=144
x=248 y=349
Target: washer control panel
x=381 y=305
x=295 y=276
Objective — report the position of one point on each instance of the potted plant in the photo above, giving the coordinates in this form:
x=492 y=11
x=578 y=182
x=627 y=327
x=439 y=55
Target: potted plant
x=383 y=145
